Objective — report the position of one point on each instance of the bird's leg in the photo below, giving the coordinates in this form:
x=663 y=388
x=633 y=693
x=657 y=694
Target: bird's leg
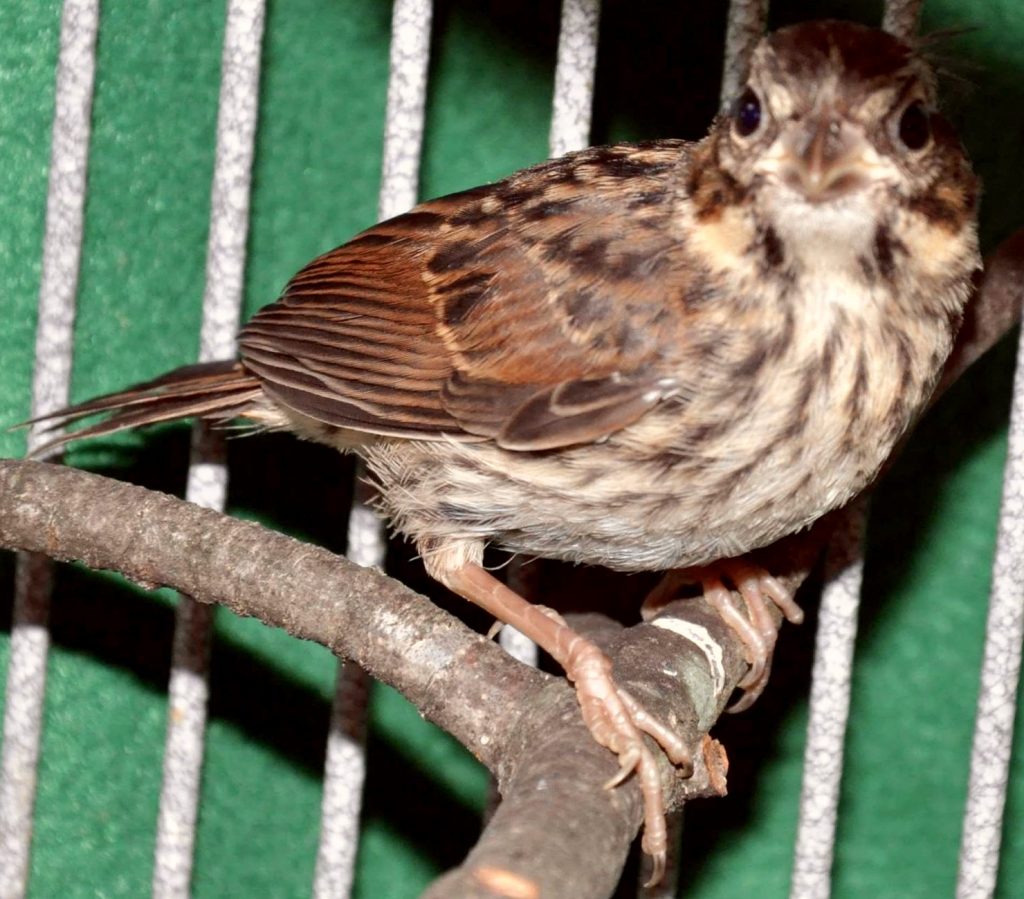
x=615 y=719
x=756 y=630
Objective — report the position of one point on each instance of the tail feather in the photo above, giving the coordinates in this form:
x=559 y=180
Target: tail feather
x=212 y=390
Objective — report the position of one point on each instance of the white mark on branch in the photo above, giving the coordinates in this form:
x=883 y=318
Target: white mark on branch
x=700 y=637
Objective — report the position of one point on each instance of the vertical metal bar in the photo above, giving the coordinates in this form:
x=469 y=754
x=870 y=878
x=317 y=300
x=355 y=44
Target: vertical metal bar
x=744 y=28
x=62 y=247
x=573 y=104
x=829 y=707
x=1000 y=676
x=344 y=774
x=407 y=100
x=207 y=481
x=521 y=648
x=345 y=766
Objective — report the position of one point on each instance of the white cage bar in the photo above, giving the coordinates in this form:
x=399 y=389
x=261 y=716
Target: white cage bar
x=345 y=767
x=62 y=250
x=1000 y=677
x=188 y=689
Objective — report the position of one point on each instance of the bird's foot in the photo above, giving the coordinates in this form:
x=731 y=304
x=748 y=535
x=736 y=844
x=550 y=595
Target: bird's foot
x=615 y=719
x=618 y=722
x=757 y=629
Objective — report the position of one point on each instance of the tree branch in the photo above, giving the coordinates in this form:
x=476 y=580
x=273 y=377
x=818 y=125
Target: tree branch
x=524 y=725
x=995 y=308
x=159 y=540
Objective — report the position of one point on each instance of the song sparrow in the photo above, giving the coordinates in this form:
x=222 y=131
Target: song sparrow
x=646 y=356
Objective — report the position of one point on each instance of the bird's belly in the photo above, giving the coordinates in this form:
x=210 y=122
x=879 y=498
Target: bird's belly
x=613 y=504
x=734 y=464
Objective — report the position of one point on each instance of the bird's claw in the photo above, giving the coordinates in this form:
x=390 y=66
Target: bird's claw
x=659 y=861
x=628 y=762
x=618 y=722
x=757 y=629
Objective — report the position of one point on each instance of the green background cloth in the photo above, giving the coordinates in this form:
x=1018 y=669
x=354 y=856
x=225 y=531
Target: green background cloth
x=316 y=180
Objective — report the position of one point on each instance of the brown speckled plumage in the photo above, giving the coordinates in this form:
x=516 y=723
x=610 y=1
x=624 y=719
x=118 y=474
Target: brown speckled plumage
x=645 y=356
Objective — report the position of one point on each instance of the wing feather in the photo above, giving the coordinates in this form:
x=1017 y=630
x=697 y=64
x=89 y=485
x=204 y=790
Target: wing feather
x=538 y=312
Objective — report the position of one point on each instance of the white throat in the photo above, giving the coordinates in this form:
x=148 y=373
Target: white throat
x=825 y=239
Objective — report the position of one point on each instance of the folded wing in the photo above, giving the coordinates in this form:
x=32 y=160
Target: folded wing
x=530 y=312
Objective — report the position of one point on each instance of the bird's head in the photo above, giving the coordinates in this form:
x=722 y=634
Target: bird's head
x=839 y=114
x=833 y=159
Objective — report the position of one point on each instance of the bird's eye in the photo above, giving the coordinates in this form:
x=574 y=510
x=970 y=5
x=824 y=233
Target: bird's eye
x=746 y=116
x=914 y=128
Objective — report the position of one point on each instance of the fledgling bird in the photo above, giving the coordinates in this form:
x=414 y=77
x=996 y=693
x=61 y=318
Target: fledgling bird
x=652 y=356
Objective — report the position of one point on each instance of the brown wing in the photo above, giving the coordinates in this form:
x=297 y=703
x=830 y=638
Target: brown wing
x=537 y=311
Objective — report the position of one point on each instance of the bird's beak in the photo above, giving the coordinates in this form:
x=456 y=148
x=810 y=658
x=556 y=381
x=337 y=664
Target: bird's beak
x=823 y=157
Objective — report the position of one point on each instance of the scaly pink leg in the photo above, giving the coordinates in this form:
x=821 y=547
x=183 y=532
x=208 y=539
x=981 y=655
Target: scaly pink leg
x=756 y=630
x=615 y=719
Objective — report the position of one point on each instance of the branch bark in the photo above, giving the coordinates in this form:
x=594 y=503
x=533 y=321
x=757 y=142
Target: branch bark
x=557 y=828
x=159 y=540
x=557 y=833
